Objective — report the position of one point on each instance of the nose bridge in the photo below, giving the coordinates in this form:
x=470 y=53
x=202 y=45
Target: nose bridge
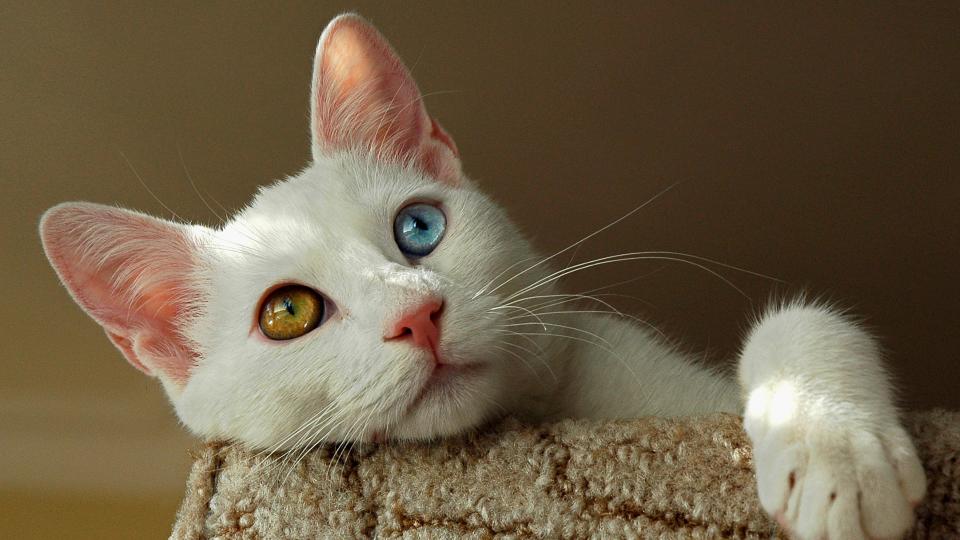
x=405 y=287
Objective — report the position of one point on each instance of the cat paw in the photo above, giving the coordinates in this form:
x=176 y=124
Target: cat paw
x=821 y=480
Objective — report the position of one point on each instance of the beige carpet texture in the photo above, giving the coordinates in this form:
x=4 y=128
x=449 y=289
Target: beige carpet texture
x=644 y=478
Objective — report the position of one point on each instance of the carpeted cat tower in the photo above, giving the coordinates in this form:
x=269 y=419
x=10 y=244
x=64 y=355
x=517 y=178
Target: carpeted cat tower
x=645 y=478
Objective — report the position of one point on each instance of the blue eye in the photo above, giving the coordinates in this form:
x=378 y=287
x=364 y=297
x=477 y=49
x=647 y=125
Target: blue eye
x=418 y=229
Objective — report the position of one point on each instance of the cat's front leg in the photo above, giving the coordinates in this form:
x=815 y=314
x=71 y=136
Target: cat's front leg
x=831 y=456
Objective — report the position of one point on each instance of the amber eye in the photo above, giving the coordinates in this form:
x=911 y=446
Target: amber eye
x=291 y=312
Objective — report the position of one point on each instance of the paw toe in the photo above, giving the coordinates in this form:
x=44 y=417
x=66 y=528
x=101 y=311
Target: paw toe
x=885 y=510
x=909 y=469
x=819 y=495
x=777 y=474
x=843 y=517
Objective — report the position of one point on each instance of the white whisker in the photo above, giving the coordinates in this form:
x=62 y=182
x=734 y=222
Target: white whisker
x=622 y=257
x=565 y=327
x=598 y=311
x=515 y=355
x=589 y=236
x=608 y=350
x=569 y=296
x=494 y=278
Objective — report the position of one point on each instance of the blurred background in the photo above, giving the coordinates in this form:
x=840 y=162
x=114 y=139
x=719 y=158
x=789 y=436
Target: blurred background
x=815 y=144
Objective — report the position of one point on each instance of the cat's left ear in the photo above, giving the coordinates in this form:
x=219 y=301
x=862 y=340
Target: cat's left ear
x=364 y=99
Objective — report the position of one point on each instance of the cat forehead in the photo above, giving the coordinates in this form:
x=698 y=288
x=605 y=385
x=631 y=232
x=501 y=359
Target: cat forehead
x=334 y=208
x=337 y=194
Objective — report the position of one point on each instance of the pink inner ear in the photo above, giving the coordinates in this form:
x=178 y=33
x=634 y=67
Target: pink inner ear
x=132 y=274
x=364 y=98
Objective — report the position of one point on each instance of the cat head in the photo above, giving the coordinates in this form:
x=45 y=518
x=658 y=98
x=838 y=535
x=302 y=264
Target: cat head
x=366 y=296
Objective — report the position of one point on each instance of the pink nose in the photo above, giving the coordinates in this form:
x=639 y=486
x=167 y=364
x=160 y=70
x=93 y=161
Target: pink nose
x=419 y=324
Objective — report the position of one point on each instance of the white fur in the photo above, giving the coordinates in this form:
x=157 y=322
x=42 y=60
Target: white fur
x=331 y=227
x=819 y=409
x=819 y=406
x=818 y=403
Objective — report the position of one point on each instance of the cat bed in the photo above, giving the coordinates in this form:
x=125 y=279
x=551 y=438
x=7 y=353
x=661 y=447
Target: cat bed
x=649 y=478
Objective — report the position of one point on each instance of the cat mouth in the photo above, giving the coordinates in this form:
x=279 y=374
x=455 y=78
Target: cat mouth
x=443 y=377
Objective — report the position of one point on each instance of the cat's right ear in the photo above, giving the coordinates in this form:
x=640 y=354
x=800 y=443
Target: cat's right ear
x=135 y=275
x=364 y=99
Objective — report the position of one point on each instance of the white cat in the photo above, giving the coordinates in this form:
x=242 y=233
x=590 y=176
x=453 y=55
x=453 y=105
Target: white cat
x=379 y=294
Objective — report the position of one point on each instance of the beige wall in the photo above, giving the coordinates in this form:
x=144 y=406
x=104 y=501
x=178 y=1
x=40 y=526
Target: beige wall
x=815 y=144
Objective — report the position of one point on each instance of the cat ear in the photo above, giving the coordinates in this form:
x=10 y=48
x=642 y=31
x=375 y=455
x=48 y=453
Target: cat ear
x=135 y=275
x=364 y=98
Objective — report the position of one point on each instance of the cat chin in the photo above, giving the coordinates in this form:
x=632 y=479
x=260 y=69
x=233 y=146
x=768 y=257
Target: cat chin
x=451 y=401
x=448 y=402
x=431 y=423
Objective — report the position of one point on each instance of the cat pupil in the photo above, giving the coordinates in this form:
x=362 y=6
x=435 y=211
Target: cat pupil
x=287 y=303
